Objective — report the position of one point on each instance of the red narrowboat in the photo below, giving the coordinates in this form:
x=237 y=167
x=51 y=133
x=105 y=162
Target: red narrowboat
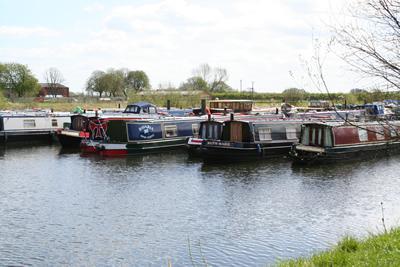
x=333 y=141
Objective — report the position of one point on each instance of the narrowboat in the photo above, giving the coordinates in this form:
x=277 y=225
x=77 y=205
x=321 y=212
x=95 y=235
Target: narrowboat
x=93 y=126
x=125 y=137
x=72 y=134
x=30 y=125
x=334 y=141
x=225 y=107
x=239 y=139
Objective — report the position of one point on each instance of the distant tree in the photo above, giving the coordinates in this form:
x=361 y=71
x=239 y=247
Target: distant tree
x=194 y=84
x=219 y=81
x=215 y=78
x=137 y=80
x=53 y=78
x=358 y=91
x=110 y=83
x=115 y=82
x=221 y=87
x=96 y=83
x=17 y=80
x=294 y=94
x=204 y=71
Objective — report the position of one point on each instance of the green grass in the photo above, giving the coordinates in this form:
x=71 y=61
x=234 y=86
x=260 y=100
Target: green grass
x=376 y=250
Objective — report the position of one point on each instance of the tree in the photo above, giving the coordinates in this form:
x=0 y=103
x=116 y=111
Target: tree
x=17 y=80
x=203 y=71
x=194 y=84
x=137 y=80
x=96 y=83
x=53 y=78
x=220 y=78
x=294 y=94
x=115 y=82
x=215 y=78
x=358 y=91
x=372 y=41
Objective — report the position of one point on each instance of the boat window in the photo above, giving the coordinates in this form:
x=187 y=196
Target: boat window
x=208 y=130
x=319 y=136
x=203 y=131
x=312 y=141
x=380 y=133
x=362 y=134
x=291 y=133
x=195 y=129
x=171 y=131
x=132 y=109
x=305 y=136
x=152 y=110
x=264 y=133
x=394 y=132
x=54 y=123
x=328 y=137
x=29 y=123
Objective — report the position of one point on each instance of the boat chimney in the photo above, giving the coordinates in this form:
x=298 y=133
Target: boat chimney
x=96 y=113
x=168 y=104
x=203 y=106
x=209 y=117
x=232 y=117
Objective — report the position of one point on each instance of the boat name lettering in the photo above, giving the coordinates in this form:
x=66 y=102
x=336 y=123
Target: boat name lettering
x=214 y=143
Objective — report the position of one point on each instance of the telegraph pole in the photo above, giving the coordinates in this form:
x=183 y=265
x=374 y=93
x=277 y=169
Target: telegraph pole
x=252 y=90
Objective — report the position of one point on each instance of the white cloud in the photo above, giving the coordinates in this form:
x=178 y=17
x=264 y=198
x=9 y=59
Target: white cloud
x=22 y=32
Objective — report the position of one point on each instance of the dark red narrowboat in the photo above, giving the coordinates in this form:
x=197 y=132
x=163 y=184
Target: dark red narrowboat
x=334 y=141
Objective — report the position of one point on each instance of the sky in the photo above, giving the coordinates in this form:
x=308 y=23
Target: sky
x=260 y=41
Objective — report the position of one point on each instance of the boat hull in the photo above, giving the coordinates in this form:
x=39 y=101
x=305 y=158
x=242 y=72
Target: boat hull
x=124 y=149
x=71 y=138
x=222 y=150
x=26 y=136
x=350 y=153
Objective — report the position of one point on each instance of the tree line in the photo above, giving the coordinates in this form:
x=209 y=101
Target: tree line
x=117 y=82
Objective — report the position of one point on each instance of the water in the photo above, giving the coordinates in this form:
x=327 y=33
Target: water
x=64 y=209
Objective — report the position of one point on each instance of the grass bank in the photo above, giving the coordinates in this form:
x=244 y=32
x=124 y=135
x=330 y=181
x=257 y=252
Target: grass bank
x=376 y=250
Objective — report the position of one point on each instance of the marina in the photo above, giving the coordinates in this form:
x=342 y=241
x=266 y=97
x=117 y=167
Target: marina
x=200 y=133
x=137 y=193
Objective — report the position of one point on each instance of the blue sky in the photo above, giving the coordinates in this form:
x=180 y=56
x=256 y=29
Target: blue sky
x=254 y=40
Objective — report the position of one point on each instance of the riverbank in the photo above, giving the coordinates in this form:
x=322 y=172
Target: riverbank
x=377 y=250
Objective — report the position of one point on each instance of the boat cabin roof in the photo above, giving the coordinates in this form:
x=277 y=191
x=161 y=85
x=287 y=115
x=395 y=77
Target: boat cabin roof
x=232 y=101
x=342 y=123
x=142 y=104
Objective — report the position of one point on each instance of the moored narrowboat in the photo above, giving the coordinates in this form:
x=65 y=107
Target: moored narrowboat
x=129 y=137
x=239 y=139
x=85 y=128
x=30 y=125
x=334 y=141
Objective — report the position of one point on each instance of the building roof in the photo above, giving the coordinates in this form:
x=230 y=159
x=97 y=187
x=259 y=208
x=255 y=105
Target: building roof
x=49 y=85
